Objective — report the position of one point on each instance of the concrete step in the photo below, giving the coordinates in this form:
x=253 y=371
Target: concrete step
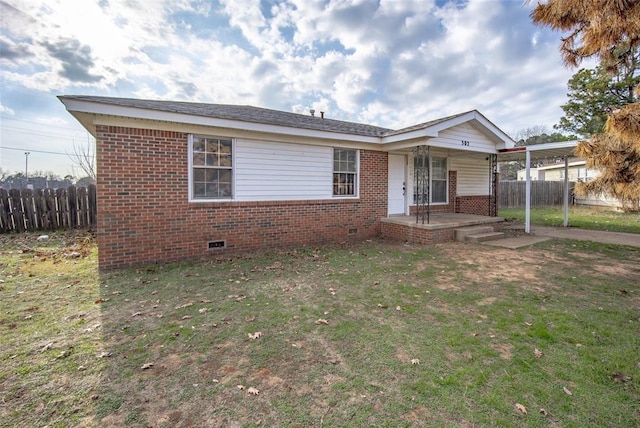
x=460 y=234
x=486 y=236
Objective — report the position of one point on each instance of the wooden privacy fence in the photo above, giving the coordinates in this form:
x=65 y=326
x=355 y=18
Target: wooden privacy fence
x=47 y=209
x=543 y=193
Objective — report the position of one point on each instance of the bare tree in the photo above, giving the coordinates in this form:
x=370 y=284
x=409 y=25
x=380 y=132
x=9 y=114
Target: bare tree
x=84 y=158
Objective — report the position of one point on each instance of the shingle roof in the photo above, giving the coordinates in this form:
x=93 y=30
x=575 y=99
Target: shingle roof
x=243 y=113
x=425 y=124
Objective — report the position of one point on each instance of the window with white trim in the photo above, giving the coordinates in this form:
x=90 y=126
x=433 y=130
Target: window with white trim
x=439 y=182
x=345 y=172
x=211 y=167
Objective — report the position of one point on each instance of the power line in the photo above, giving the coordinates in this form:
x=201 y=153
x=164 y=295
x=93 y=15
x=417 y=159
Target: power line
x=36 y=151
x=40 y=134
x=42 y=124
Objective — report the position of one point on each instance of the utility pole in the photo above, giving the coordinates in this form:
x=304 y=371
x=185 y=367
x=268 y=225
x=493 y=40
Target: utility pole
x=26 y=165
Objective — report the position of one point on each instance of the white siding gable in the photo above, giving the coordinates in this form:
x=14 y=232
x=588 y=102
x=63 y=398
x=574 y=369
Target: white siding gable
x=268 y=171
x=459 y=136
x=472 y=176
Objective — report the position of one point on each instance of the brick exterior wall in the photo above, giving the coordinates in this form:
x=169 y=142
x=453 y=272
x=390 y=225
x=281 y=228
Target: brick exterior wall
x=478 y=205
x=413 y=233
x=144 y=215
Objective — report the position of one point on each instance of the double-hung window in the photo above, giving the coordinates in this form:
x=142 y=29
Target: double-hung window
x=345 y=172
x=438 y=182
x=211 y=168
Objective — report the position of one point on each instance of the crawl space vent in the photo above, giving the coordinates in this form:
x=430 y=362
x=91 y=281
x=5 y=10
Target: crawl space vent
x=216 y=244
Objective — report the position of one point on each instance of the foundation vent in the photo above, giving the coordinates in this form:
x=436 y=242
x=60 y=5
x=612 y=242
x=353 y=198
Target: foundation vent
x=216 y=244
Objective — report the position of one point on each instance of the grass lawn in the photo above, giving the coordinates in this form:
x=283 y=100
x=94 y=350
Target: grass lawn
x=370 y=334
x=595 y=218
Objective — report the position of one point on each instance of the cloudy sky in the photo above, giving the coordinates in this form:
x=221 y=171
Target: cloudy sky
x=391 y=63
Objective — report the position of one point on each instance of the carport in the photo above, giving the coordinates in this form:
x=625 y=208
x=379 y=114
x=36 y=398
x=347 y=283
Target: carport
x=564 y=149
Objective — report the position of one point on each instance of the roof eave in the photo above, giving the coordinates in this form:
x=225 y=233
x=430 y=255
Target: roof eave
x=79 y=109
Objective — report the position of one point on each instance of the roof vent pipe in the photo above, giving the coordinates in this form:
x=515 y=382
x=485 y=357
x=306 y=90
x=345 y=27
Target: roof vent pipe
x=322 y=114
x=313 y=112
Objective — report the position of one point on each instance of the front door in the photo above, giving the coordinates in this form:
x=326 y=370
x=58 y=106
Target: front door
x=397 y=185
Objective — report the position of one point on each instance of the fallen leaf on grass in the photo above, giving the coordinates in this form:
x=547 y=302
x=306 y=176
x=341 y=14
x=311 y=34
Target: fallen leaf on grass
x=186 y=305
x=250 y=319
x=543 y=412
x=253 y=391
x=398 y=308
x=137 y=314
x=322 y=321
x=241 y=387
x=254 y=336
x=186 y=317
x=567 y=391
x=104 y=355
x=46 y=347
x=415 y=361
x=205 y=301
x=521 y=408
x=146 y=366
x=620 y=377
x=203 y=310
x=537 y=353
x=381 y=306
x=63 y=354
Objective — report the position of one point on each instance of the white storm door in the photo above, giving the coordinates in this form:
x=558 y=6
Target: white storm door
x=397 y=186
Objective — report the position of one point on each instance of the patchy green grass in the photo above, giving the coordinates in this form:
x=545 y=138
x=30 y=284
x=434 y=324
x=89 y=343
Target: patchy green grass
x=595 y=218
x=371 y=334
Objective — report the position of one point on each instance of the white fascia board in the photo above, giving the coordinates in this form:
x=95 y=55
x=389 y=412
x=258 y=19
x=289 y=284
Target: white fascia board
x=505 y=141
x=493 y=132
x=82 y=106
x=553 y=146
x=429 y=142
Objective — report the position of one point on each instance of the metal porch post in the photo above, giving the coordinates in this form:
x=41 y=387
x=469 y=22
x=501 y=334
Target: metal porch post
x=527 y=202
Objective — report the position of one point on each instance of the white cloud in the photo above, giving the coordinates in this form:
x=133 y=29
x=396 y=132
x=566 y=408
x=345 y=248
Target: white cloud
x=388 y=62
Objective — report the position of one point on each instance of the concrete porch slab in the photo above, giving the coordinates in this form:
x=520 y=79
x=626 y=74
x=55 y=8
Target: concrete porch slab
x=443 y=221
x=517 y=242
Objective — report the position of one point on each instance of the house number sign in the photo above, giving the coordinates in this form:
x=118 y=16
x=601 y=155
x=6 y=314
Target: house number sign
x=465 y=143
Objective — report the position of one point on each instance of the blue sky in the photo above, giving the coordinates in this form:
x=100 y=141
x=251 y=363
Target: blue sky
x=391 y=63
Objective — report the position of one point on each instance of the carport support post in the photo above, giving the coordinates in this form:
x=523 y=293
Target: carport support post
x=566 y=191
x=527 y=196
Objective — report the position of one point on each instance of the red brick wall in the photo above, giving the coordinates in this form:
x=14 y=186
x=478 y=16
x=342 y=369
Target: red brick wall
x=144 y=215
x=478 y=205
x=413 y=233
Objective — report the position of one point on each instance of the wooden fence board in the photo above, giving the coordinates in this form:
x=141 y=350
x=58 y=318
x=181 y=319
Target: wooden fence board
x=47 y=209
x=6 y=220
x=72 y=201
x=543 y=193
x=17 y=210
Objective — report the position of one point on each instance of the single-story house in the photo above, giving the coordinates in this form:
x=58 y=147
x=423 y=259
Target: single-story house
x=179 y=180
